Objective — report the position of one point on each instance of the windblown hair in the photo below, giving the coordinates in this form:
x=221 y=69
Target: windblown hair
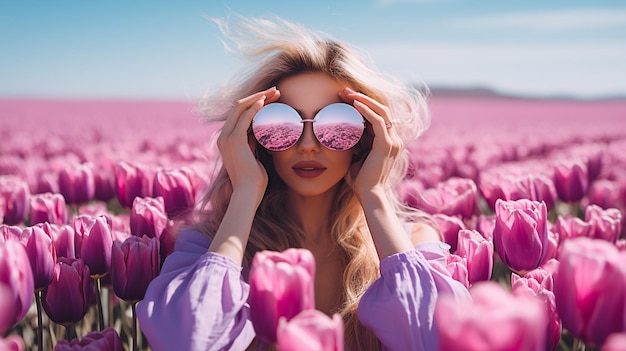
x=282 y=49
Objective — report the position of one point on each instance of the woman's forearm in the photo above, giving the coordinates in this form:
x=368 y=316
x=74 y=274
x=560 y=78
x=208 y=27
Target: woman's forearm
x=232 y=235
x=387 y=231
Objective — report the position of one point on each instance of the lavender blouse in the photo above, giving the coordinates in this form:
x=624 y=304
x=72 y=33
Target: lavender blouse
x=199 y=301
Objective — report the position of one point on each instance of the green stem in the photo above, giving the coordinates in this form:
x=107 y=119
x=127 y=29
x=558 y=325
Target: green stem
x=39 y=321
x=99 y=303
x=578 y=345
x=134 y=330
x=70 y=333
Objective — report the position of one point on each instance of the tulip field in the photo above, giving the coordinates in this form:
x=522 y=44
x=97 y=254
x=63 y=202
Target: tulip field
x=530 y=194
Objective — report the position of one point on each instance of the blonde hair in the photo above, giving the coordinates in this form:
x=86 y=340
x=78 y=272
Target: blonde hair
x=281 y=49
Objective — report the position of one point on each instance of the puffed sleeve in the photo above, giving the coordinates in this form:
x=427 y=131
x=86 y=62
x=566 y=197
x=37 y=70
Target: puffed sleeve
x=198 y=302
x=399 y=307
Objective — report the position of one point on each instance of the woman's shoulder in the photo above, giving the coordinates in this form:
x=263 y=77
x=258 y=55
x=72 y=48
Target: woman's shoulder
x=192 y=240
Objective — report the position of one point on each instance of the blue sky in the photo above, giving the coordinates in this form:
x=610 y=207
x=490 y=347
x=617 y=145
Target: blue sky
x=167 y=49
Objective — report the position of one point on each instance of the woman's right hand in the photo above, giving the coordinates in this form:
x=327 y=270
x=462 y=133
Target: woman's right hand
x=237 y=147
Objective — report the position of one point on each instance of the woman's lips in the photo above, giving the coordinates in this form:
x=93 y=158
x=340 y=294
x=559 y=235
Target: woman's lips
x=308 y=169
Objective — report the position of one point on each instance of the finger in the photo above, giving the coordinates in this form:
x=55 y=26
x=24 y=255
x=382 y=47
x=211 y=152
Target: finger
x=377 y=122
x=245 y=104
x=373 y=104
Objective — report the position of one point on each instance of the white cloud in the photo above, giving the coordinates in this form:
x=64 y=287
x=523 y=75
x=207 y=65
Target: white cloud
x=565 y=19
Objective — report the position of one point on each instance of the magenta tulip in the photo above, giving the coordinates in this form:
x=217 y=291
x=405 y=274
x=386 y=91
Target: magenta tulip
x=538 y=188
x=134 y=263
x=16 y=283
x=457 y=267
x=106 y=340
x=41 y=254
x=148 y=217
x=310 y=330
x=571 y=180
x=104 y=181
x=453 y=197
x=494 y=319
x=11 y=343
x=539 y=283
x=15 y=193
x=63 y=238
x=281 y=285
x=76 y=183
x=48 y=207
x=569 y=227
x=485 y=225
x=132 y=180
x=606 y=224
x=176 y=188
x=521 y=234
x=590 y=289
x=10 y=232
x=450 y=227
x=478 y=252
x=68 y=297
x=605 y=193
x=93 y=236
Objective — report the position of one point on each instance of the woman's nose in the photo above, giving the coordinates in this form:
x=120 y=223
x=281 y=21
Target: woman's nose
x=308 y=141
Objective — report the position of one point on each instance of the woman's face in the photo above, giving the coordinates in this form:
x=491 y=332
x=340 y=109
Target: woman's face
x=308 y=168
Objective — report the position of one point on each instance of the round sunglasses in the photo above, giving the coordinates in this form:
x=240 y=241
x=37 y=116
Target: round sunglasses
x=278 y=126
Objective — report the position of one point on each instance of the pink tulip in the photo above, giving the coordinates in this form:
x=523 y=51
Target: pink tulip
x=606 y=224
x=68 y=297
x=41 y=254
x=615 y=342
x=48 y=207
x=63 y=238
x=16 y=284
x=76 y=183
x=538 y=188
x=569 y=227
x=478 y=252
x=106 y=340
x=494 y=319
x=93 y=237
x=104 y=181
x=148 y=217
x=504 y=187
x=571 y=180
x=10 y=232
x=604 y=193
x=521 y=233
x=450 y=227
x=310 y=330
x=176 y=188
x=485 y=225
x=15 y=194
x=281 y=285
x=11 y=343
x=590 y=289
x=134 y=263
x=539 y=283
x=454 y=196
x=457 y=267
x=132 y=180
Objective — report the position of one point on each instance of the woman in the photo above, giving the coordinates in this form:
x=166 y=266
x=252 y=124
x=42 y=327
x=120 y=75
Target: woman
x=379 y=264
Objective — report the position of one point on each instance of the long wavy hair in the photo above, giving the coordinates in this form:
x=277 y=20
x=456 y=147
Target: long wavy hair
x=280 y=49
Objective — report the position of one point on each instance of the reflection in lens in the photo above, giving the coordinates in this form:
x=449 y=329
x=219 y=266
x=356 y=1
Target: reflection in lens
x=277 y=127
x=338 y=126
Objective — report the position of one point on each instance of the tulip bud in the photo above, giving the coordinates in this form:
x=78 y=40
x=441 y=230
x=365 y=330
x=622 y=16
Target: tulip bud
x=104 y=181
x=41 y=254
x=62 y=237
x=538 y=188
x=95 y=243
x=478 y=252
x=281 y=285
x=76 y=183
x=615 y=342
x=457 y=267
x=15 y=193
x=10 y=232
x=68 y=297
x=604 y=193
x=148 y=217
x=571 y=180
x=590 y=289
x=485 y=225
x=606 y=224
x=48 y=207
x=132 y=180
x=16 y=284
x=494 y=319
x=450 y=227
x=176 y=188
x=569 y=227
x=11 y=343
x=134 y=263
x=453 y=197
x=521 y=233
x=319 y=331
x=106 y=340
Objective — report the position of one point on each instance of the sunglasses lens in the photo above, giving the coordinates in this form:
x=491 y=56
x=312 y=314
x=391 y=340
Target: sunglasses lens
x=338 y=126
x=277 y=127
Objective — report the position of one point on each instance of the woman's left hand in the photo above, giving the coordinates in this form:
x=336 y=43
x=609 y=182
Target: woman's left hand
x=372 y=172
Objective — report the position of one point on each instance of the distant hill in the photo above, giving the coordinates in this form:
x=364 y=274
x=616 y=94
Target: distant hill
x=480 y=92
